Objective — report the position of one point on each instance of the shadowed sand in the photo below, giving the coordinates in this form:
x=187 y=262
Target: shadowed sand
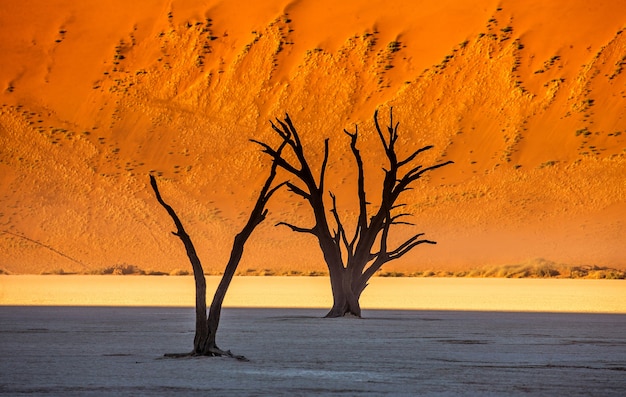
x=542 y=295
x=77 y=351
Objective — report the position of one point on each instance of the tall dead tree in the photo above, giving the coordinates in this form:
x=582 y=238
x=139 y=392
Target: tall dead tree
x=352 y=260
x=206 y=326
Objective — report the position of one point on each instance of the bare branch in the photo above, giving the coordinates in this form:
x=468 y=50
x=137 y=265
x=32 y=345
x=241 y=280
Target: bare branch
x=293 y=130
x=415 y=174
x=288 y=132
x=415 y=154
x=298 y=191
x=395 y=130
x=408 y=245
x=382 y=257
x=392 y=129
x=394 y=219
x=380 y=132
x=324 y=165
x=408 y=242
x=259 y=212
x=257 y=215
x=432 y=167
x=341 y=232
x=304 y=173
x=180 y=232
x=271 y=192
x=276 y=156
x=266 y=148
x=267 y=191
x=297 y=228
x=283 y=132
x=362 y=222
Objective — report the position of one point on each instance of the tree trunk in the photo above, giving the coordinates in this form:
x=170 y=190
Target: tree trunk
x=201 y=337
x=215 y=310
x=345 y=302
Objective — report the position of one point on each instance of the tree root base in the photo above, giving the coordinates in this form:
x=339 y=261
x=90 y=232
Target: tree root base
x=349 y=315
x=333 y=314
x=212 y=352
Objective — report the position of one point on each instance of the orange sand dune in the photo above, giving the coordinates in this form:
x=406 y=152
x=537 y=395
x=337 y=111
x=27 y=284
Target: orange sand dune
x=527 y=98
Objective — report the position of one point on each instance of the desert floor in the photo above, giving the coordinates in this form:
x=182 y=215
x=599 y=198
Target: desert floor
x=119 y=351
x=490 y=294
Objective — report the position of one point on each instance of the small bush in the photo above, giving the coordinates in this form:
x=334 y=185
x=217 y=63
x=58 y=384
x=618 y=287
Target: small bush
x=178 y=272
x=548 y=164
x=583 y=131
x=121 y=269
x=58 y=272
x=155 y=273
x=394 y=46
x=391 y=274
x=597 y=272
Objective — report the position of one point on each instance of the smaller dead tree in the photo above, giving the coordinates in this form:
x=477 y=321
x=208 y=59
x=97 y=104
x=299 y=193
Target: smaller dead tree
x=353 y=259
x=204 y=343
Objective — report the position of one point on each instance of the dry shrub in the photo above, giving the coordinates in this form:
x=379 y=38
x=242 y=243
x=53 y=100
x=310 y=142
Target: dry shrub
x=391 y=274
x=267 y=272
x=542 y=268
x=156 y=273
x=597 y=272
x=536 y=268
x=56 y=272
x=120 y=269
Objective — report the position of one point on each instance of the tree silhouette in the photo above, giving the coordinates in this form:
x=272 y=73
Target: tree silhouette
x=204 y=343
x=352 y=260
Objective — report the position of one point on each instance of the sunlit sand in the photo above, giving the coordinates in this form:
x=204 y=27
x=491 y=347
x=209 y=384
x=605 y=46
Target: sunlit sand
x=527 y=100
x=545 y=295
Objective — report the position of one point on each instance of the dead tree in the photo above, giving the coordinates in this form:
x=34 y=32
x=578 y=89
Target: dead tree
x=206 y=326
x=352 y=260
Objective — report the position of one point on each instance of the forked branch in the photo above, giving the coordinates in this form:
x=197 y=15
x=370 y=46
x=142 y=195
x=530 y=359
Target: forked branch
x=206 y=326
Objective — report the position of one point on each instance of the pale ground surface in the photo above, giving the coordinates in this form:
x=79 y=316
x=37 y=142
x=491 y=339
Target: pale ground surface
x=543 y=295
x=87 y=351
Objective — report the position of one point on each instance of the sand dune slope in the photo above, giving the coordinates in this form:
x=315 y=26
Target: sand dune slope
x=528 y=99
